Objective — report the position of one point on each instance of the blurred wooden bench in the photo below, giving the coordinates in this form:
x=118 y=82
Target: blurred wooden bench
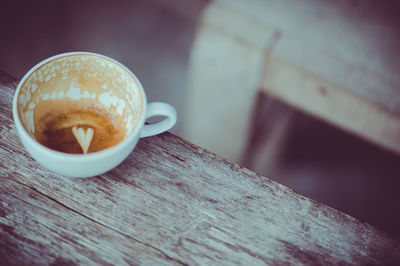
x=316 y=57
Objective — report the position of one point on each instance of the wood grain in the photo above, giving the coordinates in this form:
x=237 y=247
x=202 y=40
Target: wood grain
x=169 y=202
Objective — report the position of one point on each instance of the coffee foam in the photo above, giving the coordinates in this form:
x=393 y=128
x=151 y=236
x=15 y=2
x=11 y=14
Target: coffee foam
x=56 y=121
x=81 y=77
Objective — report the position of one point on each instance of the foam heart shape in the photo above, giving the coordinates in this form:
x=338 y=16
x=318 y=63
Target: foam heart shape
x=83 y=137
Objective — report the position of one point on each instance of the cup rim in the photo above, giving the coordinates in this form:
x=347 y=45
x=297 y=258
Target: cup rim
x=63 y=155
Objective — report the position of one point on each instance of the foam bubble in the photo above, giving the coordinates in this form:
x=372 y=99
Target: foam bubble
x=46 y=96
x=74 y=93
x=29 y=121
x=34 y=87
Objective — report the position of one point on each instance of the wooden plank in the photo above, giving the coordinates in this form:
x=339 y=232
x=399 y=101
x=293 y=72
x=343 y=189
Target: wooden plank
x=170 y=202
x=234 y=42
x=334 y=104
x=224 y=75
x=353 y=46
x=34 y=228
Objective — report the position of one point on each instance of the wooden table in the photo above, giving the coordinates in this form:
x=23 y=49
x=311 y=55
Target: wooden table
x=169 y=202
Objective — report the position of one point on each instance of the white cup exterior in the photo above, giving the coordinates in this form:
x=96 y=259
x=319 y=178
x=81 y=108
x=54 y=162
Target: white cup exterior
x=92 y=164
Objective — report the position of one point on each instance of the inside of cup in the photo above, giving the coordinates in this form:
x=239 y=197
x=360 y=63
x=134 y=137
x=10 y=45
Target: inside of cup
x=81 y=78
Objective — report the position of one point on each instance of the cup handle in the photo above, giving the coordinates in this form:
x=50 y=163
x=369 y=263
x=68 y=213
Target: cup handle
x=159 y=109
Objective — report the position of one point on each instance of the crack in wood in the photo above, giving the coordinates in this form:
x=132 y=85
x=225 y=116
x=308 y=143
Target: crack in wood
x=176 y=157
x=253 y=254
x=102 y=224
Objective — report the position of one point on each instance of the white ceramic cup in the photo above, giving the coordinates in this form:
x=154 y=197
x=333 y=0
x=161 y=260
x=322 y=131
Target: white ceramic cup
x=86 y=76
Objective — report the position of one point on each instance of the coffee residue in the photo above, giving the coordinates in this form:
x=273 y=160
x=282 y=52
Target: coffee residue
x=55 y=119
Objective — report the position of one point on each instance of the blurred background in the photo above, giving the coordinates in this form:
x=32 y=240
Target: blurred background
x=305 y=93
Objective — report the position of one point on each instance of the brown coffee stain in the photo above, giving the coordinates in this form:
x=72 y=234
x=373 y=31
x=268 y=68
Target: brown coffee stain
x=55 y=119
x=85 y=80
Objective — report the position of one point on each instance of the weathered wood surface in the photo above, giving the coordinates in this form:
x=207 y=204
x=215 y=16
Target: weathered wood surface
x=169 y=202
